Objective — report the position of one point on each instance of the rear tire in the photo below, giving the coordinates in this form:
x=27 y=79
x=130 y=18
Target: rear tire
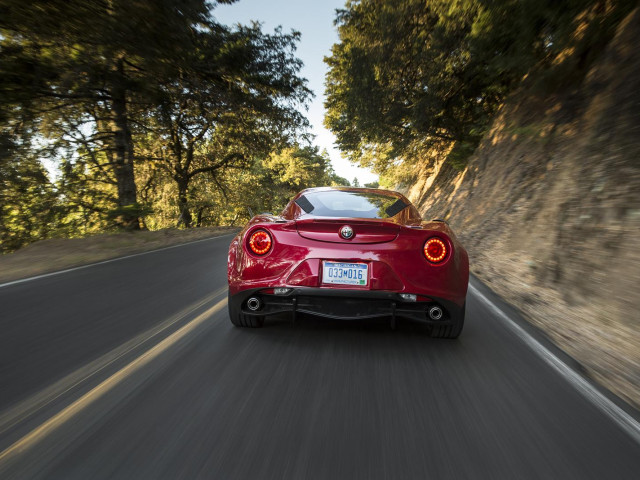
x=240 y=319
x=451 y=331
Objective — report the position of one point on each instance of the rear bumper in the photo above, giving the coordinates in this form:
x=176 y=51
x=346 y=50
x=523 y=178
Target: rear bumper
x=345 y=305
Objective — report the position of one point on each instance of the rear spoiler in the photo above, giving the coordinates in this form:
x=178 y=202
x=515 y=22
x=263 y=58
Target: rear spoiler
x=439 y=220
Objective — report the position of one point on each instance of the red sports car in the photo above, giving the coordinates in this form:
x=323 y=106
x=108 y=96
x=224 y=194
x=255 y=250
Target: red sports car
x=349 y=253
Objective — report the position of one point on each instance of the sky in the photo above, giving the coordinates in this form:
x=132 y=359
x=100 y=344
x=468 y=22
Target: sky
x=314 y=20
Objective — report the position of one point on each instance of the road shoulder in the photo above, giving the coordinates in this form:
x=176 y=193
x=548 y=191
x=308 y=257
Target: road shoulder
x=55 y=255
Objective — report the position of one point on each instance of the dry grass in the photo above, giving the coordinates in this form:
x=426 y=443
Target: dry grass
x=58 y=254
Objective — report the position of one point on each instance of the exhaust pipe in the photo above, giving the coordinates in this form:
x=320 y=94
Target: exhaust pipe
x=435 y=313
x=254 y=304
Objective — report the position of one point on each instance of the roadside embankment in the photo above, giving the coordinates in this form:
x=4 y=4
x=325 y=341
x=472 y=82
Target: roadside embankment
x=549 y=209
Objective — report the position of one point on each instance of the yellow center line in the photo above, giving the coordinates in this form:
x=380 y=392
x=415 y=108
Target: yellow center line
x=29 y=406
x=48 y=427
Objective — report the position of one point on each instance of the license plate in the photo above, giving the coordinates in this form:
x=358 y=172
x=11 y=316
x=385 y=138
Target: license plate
x=345 y=273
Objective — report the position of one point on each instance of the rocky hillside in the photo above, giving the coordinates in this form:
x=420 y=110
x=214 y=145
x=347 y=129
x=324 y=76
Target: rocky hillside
x=549 y=209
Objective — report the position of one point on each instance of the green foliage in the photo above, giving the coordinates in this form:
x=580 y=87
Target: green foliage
x=265 y=187
x=461 y=152
x=82 y=72
x=209 y=121
x=148 y=109
x=29 y=205
x=404 y=74
x=134 y=209
x=410 y=77
x=338 y=181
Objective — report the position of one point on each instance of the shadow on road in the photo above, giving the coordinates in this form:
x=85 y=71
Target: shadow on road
x=359 y=335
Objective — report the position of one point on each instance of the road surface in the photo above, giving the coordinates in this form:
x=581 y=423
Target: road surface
x=131 y=370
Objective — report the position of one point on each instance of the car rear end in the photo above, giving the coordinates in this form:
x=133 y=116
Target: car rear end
x=349 y=267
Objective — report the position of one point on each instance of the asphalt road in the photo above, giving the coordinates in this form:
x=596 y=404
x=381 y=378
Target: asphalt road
x=132 y=370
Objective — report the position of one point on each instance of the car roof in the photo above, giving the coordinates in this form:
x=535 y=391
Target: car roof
x=293 y=211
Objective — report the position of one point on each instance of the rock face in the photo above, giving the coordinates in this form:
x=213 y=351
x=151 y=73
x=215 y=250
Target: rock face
x=549 y=209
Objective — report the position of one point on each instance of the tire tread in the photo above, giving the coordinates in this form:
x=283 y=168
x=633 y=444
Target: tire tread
x=240 y=319
x=450 y=331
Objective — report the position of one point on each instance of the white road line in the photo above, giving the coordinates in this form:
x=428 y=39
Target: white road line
x=606 y=406
x=59 y=272
x=39 y=433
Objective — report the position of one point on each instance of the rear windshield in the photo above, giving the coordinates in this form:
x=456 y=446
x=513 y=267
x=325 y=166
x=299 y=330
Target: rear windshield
x=338 y=203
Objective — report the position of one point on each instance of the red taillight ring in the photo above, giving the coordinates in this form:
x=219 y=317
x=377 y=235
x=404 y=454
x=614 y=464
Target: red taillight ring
x=260 y=242
x=435 y=250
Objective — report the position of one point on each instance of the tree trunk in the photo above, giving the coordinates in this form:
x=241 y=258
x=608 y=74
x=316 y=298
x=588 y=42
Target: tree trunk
x=199 y=218
x=127 y=195
x=183 y=203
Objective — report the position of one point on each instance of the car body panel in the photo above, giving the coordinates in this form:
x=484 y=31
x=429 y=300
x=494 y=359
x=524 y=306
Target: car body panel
x=364 y=230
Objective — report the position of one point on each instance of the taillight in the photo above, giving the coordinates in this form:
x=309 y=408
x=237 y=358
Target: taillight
x=435 y=250
x=260 y=242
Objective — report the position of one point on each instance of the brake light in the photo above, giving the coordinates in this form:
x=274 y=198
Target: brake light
x=260 y=242
x=435 y=250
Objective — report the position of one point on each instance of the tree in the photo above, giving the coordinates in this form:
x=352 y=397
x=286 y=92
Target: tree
x=402 y=75
x=29 y=205
x=338 y=181
x=149 y=80
x=413 y=76
x=267 y=186
x=90 y=67
x=236 y=101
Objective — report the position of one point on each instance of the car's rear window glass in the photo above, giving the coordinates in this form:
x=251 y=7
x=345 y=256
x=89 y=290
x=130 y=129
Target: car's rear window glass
x=339 y=203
